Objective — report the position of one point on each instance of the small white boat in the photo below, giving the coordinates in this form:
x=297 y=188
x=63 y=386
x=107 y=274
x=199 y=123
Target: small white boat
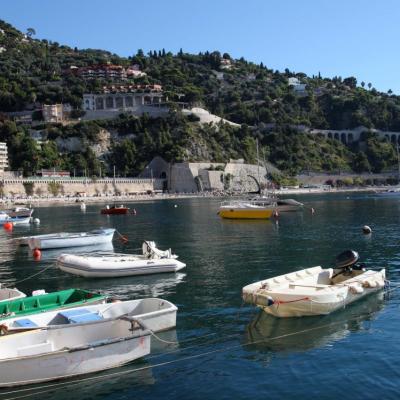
x=152 y=261
x=286 y=205
x=390 y=192
x=23 y=240
x=81 y=340
x=60 y=240
x=7 y=294
x=281 y=205
x=315 y=291
x=4 y=217
x=20 y=220
x=14 y=220
x=20 y=212
x=157 y=314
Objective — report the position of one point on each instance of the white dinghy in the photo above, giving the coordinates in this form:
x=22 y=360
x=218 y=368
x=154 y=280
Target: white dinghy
x=60 y=240
x=157 y=314
x=315 y=291
x=70 y=350
x=152 y=261
x=81 y=340
x=20 y=212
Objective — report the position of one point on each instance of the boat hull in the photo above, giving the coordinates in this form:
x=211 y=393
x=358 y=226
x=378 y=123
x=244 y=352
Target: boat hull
x=22 y=305
x=300 y=294
x=74 y=240
x=110 y=267
x=87 y=350
x=115 y=211
x=20 y=212
x=314 y=305
x=20 y=220
x=288 y=208
x=232 y=213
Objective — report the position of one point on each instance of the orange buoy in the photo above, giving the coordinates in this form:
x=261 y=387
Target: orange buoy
x=37 y=254
x=8 y=226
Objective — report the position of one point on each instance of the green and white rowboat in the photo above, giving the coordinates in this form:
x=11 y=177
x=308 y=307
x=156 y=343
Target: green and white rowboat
x=50 y=301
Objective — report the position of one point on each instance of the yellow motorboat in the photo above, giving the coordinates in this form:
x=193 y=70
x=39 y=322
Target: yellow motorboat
x=245 y=210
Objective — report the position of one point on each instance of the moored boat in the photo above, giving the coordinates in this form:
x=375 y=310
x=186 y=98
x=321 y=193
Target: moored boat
x=20 y=212
x=152 y=261
x=4 y=217
x=23 y=240
x=315 y=291
x=18 y=307
x=115 y=210
x=60 y=240
x=389 y=192
x=285 y=205
x=281 y=205
x=242 y=209
x=20 y=220
x=157 y=314
x=79 y=341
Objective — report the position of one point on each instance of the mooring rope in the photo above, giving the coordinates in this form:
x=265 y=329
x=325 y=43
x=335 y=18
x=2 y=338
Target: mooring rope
x=122 y=238
x=29 y=277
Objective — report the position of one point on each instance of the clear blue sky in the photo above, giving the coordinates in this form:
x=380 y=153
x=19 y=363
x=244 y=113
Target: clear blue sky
x=336 y=37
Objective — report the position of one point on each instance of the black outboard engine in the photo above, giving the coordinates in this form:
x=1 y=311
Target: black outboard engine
x=346 y=260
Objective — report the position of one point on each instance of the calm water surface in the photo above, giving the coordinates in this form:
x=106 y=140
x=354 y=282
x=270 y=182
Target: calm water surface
x=223 y=350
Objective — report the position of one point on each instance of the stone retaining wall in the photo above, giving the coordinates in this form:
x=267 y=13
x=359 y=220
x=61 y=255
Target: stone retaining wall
x=72 y=187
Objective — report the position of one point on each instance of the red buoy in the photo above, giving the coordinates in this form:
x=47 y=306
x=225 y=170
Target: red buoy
x=8 y=226
x=37 y=254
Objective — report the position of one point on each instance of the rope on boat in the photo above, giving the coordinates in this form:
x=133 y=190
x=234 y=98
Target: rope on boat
x=29 y=277
x=124 y=239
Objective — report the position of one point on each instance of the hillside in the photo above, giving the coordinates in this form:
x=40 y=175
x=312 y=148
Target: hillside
x=33 y=72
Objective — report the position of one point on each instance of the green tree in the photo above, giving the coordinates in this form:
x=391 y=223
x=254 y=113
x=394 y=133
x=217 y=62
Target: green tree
x=30 y=32
x=54 y=188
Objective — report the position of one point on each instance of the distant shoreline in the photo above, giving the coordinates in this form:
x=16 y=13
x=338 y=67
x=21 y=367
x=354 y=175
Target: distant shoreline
x=61 y=201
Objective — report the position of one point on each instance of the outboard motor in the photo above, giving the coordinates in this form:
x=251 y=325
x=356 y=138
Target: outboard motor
x=346 y=260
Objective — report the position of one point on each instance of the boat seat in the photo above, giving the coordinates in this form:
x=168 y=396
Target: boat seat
x=24 y=323
x=79 y=316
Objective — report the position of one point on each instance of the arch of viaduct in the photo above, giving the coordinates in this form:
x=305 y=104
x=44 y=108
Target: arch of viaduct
x=348 y=137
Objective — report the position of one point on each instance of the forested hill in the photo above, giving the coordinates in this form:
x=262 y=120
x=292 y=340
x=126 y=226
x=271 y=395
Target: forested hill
x=34 y=71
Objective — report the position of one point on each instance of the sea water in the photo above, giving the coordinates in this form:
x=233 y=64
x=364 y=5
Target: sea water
x=225 y=349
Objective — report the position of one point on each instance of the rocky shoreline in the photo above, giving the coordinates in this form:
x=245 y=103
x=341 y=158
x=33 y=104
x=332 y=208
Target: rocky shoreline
x=60 y=201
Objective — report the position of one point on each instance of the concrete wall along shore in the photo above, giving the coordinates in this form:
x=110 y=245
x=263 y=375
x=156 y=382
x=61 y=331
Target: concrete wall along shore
x=79 y=186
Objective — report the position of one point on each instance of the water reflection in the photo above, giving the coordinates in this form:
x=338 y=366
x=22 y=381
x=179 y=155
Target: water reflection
x=278 y=334
x=138 y=286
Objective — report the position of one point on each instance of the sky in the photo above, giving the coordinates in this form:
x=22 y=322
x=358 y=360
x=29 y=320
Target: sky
x=334 y=37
